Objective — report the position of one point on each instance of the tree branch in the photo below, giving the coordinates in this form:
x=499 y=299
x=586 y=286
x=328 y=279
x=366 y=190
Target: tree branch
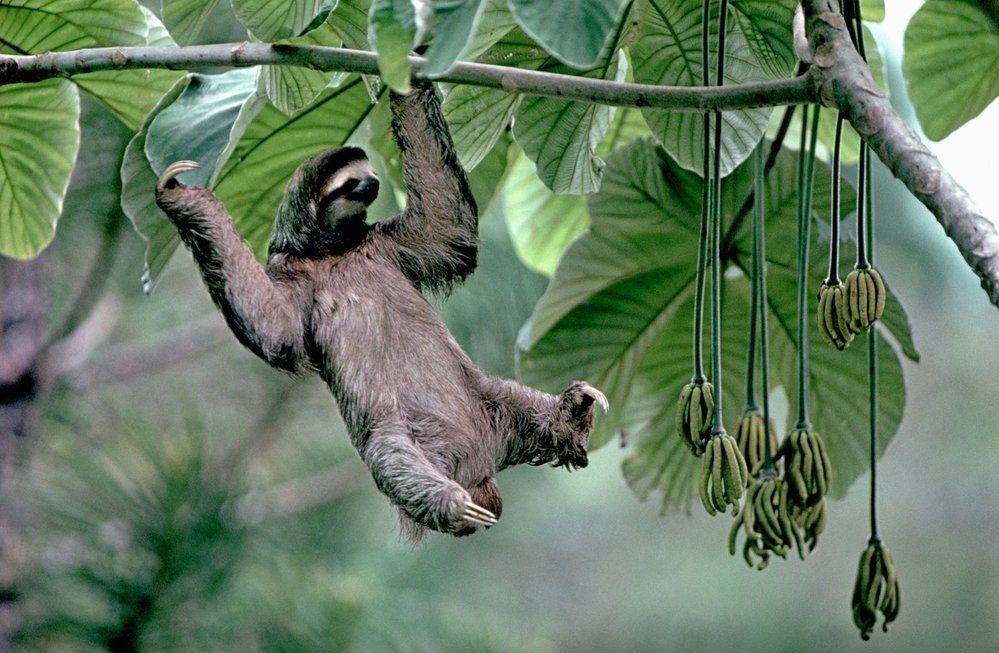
x=33 y=68
x=845 y=82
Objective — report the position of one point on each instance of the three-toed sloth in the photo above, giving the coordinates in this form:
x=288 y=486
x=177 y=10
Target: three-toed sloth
x=343 y=298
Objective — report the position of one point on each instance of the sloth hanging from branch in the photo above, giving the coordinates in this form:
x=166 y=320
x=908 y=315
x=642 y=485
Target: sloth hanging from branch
x=343 y=298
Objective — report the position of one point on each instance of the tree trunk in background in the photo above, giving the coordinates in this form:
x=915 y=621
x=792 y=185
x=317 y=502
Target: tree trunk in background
x=22 y=334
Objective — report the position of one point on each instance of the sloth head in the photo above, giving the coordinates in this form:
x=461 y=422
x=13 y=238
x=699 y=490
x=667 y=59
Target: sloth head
x=325 y=204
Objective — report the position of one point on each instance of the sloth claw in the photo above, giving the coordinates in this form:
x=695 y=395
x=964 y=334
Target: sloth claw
x=476 y=514
x=596 y=396
x=169 y=177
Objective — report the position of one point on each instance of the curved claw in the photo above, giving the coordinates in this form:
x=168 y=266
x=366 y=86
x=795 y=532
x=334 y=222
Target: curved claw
x=597 y=396
x=169 y=177
x=476 y=514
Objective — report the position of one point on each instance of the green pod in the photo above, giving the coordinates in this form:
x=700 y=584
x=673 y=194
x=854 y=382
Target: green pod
x=832 y=315
x=865 y=298
x=694 y=412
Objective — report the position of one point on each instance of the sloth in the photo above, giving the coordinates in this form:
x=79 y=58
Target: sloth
x=345 y=298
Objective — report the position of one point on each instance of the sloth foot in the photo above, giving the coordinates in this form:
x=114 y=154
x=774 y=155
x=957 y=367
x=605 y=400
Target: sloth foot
x=478 y=515
x=169 y=177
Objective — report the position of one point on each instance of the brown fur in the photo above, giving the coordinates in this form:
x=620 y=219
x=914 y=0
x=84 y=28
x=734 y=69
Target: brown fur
x=344 y=298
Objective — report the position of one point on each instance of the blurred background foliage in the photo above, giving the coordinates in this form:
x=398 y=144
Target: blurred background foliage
x=182 y=496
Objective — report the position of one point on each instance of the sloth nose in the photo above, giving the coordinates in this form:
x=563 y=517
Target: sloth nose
x=366 y=189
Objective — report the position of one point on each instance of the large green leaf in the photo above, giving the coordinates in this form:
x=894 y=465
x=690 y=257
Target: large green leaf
x=667 y=51
x=951 y=63
x=37 y=26
x=200 y=118
x=130 y=94
x=392 y=32
x=290 y=88
x=185 y=18
x=766 y=25
x=495 y=22
x=138 y=179
x=577 y=32
x=270 y=20
x=561 y=136
x=541 y=223
x=619 y=310
x=203 y=122
x=40 y=133
x=273 y=145
x=628 y=125
x=478 y=116
x=455 y=24
x=350 y=20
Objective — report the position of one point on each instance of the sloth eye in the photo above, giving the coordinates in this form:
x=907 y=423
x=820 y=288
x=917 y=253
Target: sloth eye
x=347 y=186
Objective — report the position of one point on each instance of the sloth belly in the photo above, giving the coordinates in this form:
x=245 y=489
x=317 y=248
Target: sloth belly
x=390 y=357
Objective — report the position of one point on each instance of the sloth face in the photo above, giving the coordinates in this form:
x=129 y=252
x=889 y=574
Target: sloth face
x=325 y=204
x=347 y=192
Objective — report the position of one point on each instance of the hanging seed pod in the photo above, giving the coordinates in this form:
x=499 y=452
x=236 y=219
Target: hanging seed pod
x=807 y=467
x=723 y=475
x=812 y=521
x=693 y=414
x=865 y=298
x=767 y=522
x=750 y=434
x=832 y=315
x=876 y=589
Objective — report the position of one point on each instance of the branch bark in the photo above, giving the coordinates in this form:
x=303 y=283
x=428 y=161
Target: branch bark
x=845 y=82
x=33 y=68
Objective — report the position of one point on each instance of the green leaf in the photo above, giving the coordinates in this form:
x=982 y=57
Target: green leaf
x=951 y=63
x=40 y=132
x=130 y=94
x=350 y=20
x=270 y=20
x=628 y=125
x=290 y=88
x=667 y=51
x=495 y=22
x=477 y=117
x=619 y=310
x=138 y=180
x=203 y=122
x=273 y=145
x=873 y=10
x=392 y=32
x=200 y=119
x=766 y=25
x=455 y=23
x=185 y=18
x=37 y=26
x=577 y=32
x=541 y=223
x=561 y=136
x=489 y=177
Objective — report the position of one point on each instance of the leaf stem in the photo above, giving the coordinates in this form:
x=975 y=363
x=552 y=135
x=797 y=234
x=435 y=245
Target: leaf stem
x=702 y=241
x=806 y=172
x=760 y=293
x=833 y=278
x=865 y=255
x=716 y=367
